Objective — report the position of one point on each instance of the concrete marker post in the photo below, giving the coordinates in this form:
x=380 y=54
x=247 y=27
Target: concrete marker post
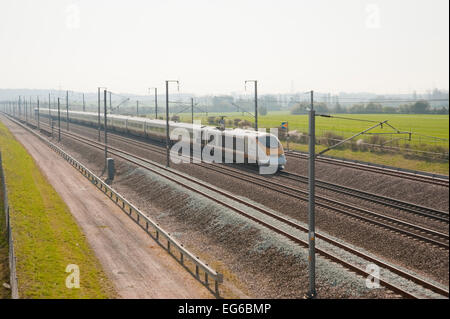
x=67 y=110
x=106 y=130
x=59 y=122
x=39 y=127
x=49 y=113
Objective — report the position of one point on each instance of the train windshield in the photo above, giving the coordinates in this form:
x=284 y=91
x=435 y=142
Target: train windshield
x=269 y=141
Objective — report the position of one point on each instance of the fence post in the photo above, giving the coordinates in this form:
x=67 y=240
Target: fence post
x=12 y=256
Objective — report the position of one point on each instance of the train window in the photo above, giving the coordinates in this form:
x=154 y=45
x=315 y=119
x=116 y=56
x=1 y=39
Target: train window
x=269 y=141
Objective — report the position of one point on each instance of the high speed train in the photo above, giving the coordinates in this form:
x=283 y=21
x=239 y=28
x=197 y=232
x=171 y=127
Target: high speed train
x=238 y=145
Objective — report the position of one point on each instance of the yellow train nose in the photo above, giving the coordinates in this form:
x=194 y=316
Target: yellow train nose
x=278 y=152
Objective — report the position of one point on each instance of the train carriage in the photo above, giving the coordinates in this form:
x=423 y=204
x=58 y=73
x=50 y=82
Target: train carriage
x=237 y=145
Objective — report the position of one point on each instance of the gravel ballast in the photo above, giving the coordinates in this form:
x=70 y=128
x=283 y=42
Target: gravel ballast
x=399 y=250
x=252 y=253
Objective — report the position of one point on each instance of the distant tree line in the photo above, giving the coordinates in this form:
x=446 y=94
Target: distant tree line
x=302 y=108
x=227 y=103
x=419 y=107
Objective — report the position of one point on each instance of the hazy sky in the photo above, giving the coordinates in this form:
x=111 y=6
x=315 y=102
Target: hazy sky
x=214 y=46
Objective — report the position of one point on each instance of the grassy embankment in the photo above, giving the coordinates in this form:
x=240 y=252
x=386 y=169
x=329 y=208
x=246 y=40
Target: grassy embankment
x=426 y=124
x=47 y=238
x=4 y=261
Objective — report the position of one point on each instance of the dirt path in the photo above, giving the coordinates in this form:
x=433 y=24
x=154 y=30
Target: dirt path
x=136 y=265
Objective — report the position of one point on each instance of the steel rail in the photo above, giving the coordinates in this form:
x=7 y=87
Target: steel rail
x=387 y=201
x=379 y=170
x=391 y=202
x=343 y=208
x=144 y=163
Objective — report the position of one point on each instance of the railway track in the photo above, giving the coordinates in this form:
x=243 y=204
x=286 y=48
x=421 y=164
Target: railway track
x=380 y=170
x=387 y=222
x=379 y=199
x=387 y=201
x=420 y=210
x=393 y=224
x=390 y=202
x=186 y=182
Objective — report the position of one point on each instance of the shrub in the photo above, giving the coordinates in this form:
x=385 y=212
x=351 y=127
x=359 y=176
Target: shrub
x=298 y=137
x=377 y=140
x=211 y=120
x=361 y=145
x=330 y=139
x=244 y=123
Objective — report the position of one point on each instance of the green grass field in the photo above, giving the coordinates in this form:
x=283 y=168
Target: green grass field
x=47 y=238
x=431 y=125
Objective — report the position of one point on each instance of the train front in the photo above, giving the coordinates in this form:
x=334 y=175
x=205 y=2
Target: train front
x=271 y=154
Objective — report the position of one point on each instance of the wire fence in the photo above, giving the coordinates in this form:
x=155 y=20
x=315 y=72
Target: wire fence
x=399 y=145
x=9 y=234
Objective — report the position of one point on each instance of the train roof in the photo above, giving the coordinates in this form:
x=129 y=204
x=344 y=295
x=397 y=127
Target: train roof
x=235 y=132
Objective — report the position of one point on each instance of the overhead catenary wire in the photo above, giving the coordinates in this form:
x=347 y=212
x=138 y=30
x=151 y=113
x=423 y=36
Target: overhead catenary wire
x=241 y=109
x=375 y=100
x=346 y=118
x=397 y=131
